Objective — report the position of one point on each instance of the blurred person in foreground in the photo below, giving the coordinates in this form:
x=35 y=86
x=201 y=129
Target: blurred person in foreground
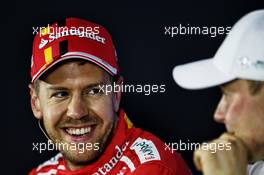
x=238 y=68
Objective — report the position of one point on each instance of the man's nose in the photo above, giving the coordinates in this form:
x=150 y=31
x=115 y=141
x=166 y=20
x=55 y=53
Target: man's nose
x=221 y=110
x=77 y=108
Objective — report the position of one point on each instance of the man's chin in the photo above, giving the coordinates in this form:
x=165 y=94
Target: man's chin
x=252 y=149
x=81 y=157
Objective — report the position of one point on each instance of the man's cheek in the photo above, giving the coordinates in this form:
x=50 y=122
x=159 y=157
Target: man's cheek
x=242 y=104
x=104 y=110
x=52 y=116
x=236 y=111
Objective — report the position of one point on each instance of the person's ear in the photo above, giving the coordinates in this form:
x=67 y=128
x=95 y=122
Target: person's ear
x=35 y=103
x=118 y=92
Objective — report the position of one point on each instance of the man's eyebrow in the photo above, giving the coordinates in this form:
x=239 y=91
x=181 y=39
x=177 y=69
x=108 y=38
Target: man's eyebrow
x=65 y=88
x=222 y=88
x=94 y=85
x=56 y=88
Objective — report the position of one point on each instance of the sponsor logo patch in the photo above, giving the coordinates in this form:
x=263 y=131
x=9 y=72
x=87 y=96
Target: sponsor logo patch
x=145 y=150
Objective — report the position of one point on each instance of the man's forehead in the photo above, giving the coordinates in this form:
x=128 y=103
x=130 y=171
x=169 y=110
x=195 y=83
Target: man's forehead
x=74 y=70
x=72 y=84
x=66 y=86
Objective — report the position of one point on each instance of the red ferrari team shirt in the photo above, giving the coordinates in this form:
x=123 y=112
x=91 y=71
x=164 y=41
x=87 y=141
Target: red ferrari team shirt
x=132 y=151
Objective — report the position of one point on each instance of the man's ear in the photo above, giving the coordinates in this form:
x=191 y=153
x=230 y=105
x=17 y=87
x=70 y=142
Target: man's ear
x=35 y=104
x=118 y=93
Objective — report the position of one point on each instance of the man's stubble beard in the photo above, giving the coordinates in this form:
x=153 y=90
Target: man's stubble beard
x=74 y=157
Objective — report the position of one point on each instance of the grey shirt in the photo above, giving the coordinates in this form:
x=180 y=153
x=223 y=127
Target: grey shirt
x=256 y=168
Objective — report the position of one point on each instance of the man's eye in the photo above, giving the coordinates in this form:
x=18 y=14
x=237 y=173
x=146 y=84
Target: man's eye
x=228 y=95
x=224 y=92
x=60 y=94
x=93 y=91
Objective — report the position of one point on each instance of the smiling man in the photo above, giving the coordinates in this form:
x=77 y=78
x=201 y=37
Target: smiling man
x=238 y=68
x=72 y=60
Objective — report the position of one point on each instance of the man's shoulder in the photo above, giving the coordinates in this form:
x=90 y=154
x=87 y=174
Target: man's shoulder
x=147 y=150
x=50 y=166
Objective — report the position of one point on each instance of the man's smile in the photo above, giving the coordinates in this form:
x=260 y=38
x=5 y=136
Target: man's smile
x=79 y=133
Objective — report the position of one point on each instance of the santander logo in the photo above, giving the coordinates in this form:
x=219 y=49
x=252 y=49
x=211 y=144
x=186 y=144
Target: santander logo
x=71 y=32
x=108 y=166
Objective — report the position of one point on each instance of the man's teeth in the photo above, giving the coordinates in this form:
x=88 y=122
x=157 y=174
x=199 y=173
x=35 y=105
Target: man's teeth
x=78 y=131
